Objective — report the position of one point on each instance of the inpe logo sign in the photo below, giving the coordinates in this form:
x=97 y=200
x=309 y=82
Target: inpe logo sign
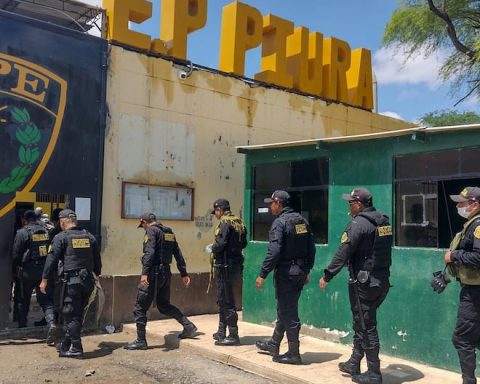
x=32 y=106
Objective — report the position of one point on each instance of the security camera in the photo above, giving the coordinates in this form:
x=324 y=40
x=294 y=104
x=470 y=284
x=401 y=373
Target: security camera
x=182 y=75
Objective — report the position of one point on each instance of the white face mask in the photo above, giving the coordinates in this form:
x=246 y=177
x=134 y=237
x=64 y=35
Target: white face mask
x=463 y=212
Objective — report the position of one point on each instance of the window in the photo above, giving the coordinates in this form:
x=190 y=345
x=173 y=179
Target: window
x=307 y=183
x=425 y=216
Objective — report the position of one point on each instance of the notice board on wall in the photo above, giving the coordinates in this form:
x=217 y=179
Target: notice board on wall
x=167 y=203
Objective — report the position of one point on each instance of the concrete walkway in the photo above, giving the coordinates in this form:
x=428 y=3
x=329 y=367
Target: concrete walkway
x=320 y=358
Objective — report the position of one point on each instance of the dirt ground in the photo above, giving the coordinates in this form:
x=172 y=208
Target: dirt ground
x=31 y=361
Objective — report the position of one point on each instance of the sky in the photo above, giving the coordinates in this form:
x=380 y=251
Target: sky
x=406 y=89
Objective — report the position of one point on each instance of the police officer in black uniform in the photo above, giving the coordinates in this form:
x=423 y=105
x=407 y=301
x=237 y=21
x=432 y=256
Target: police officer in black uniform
x=291 y=253
x=30 y=249
x=159 y=244
x=78 y=251
x=365 y=248
x=230 y=239
x=463 y=260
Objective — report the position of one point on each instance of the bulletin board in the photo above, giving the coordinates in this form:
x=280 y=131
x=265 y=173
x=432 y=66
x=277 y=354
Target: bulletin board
x=167 y=203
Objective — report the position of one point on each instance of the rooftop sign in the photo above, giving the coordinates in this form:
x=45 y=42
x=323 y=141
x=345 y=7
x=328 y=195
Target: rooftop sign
x=291 y=57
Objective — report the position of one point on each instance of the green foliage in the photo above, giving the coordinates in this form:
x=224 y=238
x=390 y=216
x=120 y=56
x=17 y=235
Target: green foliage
x=447 y=118
x=28 y=134
x=414 y=28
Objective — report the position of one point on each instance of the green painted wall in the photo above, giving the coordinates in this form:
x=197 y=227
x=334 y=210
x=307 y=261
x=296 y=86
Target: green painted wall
x=414 y=322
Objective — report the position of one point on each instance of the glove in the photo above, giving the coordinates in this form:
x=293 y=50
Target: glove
x=439 y=281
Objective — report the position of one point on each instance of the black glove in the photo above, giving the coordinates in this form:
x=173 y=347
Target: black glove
x=439 y=281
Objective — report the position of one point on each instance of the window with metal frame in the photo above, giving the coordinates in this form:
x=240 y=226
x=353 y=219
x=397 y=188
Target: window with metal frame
x=307 y=183
x=425 y=216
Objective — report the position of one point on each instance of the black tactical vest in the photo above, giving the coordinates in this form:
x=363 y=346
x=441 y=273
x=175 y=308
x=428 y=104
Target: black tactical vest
x=39 y=241
x=297 y=234
x=78 y=254
x=165 y=245
x=381 y=256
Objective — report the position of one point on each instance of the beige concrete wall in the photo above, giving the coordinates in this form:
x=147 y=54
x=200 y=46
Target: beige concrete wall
x=167 y=131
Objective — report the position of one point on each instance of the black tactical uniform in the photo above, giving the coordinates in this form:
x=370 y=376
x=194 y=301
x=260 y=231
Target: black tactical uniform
x=29 y=254
x=366 y=249
x=465 y=257
x=291 y=255
x=78 y=251
x=230 y=239
x=158 y=247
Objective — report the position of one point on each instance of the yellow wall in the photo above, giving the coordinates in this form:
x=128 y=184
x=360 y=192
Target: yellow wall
x=167 y=131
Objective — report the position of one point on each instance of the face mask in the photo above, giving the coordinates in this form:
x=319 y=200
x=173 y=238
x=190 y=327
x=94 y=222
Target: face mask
x=463 y=212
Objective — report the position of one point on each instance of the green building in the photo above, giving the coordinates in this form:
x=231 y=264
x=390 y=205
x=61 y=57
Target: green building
x=411 y=174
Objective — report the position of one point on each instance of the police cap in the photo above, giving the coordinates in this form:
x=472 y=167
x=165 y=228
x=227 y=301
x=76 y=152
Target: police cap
x=29 y=215
x=362 y=195
x=282 y=197
x=471 y=194
x=223 y=204
x=146 y=217
x=67 y=214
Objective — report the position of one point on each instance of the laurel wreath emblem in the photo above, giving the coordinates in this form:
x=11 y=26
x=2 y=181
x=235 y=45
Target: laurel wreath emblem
x=28 y=134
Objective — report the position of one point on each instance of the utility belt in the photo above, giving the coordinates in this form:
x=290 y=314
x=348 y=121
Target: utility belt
x=161 y=267
x=76 y=276
x=36 y=261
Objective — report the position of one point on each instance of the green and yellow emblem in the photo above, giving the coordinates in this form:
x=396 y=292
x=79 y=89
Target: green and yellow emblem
x=32 y=106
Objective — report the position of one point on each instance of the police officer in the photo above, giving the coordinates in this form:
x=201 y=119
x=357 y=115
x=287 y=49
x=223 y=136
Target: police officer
x=78 y=251
x=463 y=260
x=159 y=244
x=30 y=249
x=291 y=253
x=230 y=239
x=365 y=248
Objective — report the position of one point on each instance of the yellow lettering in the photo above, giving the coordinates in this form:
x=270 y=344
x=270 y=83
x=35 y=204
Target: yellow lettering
x=305 y=60
x=385 y=230
x=274 y=51
x=179 y=18
x=359 y=79
x=336 y=61
x=36 y=237
x=119 y=13
x=169 y=237
x=5 y=67
x=241 y=31
x=30 y=83
x=81 y=243
x=300 y=228
x=42 y=250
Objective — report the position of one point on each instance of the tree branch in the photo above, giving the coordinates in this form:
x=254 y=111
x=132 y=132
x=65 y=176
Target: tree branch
x=442 y=14
x=468 y=94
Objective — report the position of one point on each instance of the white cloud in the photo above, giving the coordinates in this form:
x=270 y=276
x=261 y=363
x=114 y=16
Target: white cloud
x=395 y=115
x=391 y=67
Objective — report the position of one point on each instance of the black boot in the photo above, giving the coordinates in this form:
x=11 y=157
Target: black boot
x=221 y=332
x=352 y=365
x=292 y=356
x=75 y=351
x=469 y=380
x=64 y=345
x=271 y=346
x=40 y=323
x=52 y=334
x=189 y=329
x=140 y=343
x=372 y=376
x=232 y=339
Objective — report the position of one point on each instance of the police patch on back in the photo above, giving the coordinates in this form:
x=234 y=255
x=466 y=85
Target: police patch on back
x=37 y=237
x=169 y=237
x=386 y=230
x=80 y=243
x=300 y=229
